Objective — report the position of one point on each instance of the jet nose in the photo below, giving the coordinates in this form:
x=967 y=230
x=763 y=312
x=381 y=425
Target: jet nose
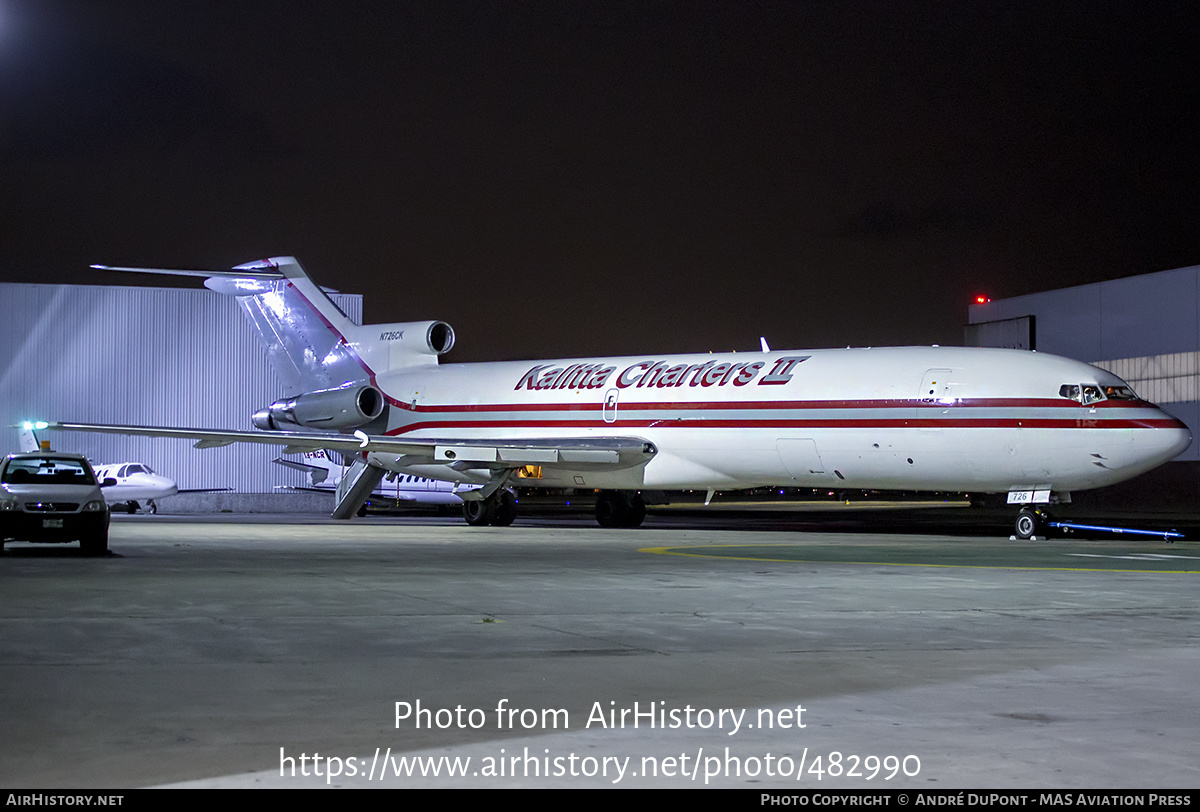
x=162 y=483
x=1183 y=439
x=1171 y=436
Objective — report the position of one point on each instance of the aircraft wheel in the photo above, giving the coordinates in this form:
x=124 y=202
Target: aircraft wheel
x=477 y=512
x=153 y=508
x=132 y=507
x=620 y=509
x=608 y=509
x=635 y=509
x=504 y=512
x=1030 y=522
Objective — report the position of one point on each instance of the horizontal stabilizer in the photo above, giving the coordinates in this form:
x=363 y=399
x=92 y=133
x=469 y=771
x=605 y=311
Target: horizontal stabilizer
x=245 y=272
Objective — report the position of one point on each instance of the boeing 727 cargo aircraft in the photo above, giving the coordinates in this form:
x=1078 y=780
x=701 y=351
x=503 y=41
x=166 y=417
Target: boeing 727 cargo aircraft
x=1030 y=425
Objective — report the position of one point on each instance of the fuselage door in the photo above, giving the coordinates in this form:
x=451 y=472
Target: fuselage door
x=936 y=391
x=800 y=458
x=935 y=387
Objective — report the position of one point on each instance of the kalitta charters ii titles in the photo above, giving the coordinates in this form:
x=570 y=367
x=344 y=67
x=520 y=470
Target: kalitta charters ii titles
x=659 y=374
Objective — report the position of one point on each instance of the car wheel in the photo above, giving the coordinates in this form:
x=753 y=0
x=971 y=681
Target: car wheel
x=96 y=544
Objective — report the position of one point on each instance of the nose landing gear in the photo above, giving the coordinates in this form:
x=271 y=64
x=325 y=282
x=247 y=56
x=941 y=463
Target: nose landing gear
x=1031 y=522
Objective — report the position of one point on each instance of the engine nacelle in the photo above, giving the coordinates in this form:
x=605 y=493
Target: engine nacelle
x=347 y=407
x=416 y=337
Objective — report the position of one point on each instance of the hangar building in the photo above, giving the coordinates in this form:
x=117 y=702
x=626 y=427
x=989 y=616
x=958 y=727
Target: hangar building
x=142 y=356
x=1146 y=329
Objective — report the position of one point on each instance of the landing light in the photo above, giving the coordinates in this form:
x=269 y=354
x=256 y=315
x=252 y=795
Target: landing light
x=29 y=425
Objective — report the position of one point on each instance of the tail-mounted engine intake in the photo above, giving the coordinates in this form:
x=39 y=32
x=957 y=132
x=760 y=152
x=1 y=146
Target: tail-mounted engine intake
x=417 y=337
x=347 y=407
x=389 y=347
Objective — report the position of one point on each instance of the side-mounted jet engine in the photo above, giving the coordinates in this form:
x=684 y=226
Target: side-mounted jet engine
x=347 y=407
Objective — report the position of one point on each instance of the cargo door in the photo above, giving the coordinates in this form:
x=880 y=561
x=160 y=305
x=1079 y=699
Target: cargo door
x=800 y=458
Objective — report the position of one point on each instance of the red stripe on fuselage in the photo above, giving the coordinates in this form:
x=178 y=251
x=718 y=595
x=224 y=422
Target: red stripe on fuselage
x=863 y=423
x=734 y=405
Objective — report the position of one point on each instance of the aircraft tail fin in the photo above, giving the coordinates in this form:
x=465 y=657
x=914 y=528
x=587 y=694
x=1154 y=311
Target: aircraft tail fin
x=304 y=332
x=27 y=434
x=310 y=342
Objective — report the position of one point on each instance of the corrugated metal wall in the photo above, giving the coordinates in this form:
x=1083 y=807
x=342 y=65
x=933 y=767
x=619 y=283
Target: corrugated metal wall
x=141 y=356
x=1162 y=379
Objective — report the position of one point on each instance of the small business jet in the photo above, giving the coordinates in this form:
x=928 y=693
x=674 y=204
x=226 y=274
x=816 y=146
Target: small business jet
x=325 y=474
x=134 y=481
x=1031 y=425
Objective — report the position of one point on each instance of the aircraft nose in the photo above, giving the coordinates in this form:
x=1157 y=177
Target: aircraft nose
x=1171 y=436
x=1183 y=439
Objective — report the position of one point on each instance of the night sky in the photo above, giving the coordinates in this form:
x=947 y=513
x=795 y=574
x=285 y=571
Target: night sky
x=570 y=178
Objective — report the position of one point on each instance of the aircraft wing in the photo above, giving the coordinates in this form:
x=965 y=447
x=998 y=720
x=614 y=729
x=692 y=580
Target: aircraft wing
x=576 y=453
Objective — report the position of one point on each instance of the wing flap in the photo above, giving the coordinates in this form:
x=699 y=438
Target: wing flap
x=529 y=456
x=464 y=453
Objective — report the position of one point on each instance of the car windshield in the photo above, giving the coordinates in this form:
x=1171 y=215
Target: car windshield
x=46 y=471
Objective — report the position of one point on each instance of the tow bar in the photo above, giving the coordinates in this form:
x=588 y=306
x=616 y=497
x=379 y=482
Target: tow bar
x=1168 y=535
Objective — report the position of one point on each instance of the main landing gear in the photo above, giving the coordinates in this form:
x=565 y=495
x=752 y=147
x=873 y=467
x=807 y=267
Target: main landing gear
x=613 y=509
x=620 y=509
x=132 y=506
x=498 y=510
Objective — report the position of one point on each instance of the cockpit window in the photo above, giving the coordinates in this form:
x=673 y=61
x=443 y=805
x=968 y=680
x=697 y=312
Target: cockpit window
x=1087 y=393
x=1119 y=393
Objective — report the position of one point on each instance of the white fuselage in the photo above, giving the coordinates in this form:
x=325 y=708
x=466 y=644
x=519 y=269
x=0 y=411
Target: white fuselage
x=913 y=418
x=135 y=482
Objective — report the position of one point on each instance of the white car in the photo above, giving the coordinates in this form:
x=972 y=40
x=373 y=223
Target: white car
x=48 y=497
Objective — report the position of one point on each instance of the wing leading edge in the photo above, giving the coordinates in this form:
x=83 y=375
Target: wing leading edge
x=575 y=453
